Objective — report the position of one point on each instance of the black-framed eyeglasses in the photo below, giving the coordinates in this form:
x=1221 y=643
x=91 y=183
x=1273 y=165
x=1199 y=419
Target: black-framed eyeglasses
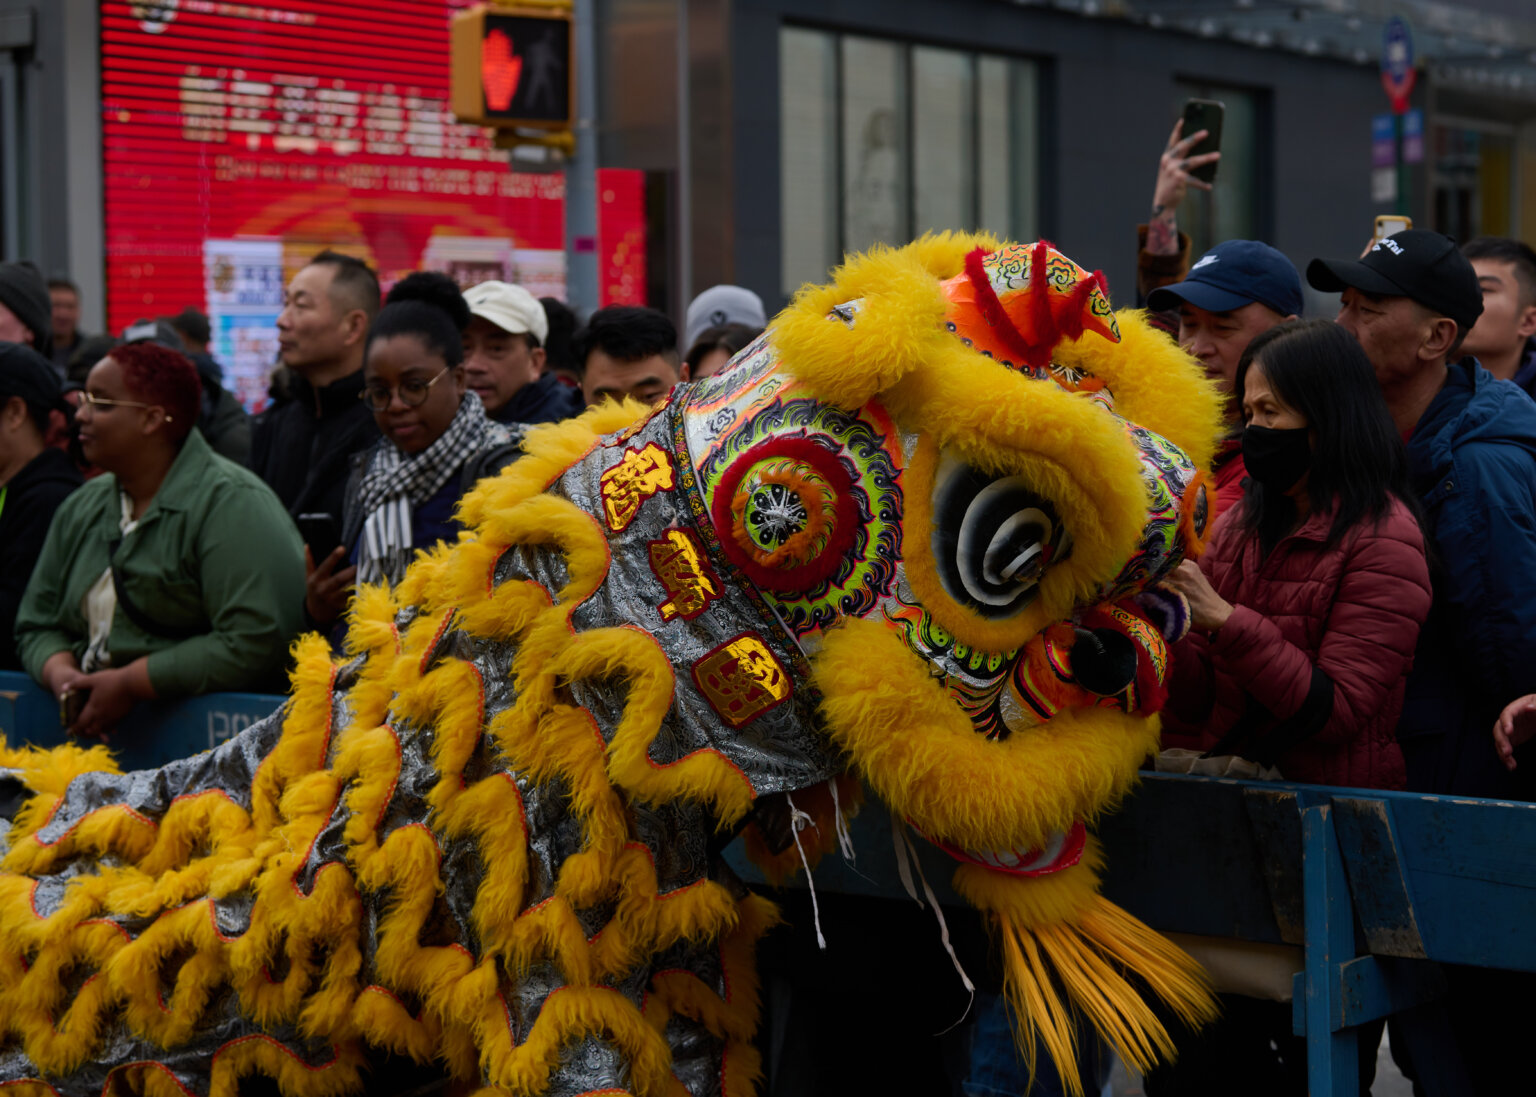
x=413 y=392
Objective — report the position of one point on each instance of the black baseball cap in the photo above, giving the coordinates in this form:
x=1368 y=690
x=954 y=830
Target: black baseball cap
x=1416 y=263
x=160 y=332
x=27 y=374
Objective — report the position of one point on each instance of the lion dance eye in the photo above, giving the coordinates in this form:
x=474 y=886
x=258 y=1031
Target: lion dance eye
x=1200 y=513
x=993 y=538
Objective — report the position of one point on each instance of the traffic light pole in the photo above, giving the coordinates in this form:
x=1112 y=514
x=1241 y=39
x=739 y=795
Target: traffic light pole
x=526 y=70
x=581 y=169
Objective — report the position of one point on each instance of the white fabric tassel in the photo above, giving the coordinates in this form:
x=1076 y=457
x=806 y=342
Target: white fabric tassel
x=899 y=840
x=905 y=850
x=840 y=825
x=799 y=820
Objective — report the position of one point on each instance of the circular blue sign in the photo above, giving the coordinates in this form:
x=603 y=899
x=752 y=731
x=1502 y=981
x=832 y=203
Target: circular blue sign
x=1396 y=50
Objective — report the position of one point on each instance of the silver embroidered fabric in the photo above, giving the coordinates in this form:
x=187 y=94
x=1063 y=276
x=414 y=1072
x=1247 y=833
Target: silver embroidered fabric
x=779 y=750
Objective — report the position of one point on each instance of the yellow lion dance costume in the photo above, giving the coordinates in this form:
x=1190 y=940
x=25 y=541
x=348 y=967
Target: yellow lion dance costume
x=912 y=537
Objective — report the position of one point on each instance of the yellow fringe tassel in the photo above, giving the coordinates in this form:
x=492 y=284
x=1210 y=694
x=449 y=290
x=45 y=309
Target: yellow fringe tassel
x=1069 y=955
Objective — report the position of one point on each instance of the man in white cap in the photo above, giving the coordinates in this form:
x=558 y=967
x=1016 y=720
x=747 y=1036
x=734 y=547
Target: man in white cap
x=504 y=357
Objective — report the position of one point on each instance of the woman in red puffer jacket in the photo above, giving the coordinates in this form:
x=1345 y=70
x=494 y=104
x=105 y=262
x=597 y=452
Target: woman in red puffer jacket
x=1308 y=602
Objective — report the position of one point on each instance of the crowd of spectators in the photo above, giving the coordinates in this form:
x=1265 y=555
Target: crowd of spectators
x=158 y=542
x=1408 y=667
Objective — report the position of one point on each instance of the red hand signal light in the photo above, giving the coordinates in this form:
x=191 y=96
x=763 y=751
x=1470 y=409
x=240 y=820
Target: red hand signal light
x=500 y=69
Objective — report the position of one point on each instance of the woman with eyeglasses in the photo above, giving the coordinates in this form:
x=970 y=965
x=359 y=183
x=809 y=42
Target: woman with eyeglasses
x=403 y=491
x=177 y=572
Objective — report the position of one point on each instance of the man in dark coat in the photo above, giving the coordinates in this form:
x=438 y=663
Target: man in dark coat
x=64 y=299
x=1472 y=453
x=504 y=357
x=34 y=477
x=26 y=313
x=1410 y=301
x=1236 y=292
x=301 y=445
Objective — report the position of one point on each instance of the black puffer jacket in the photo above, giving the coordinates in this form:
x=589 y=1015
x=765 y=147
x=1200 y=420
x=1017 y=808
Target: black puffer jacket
x=544 y=401
x=302 y=445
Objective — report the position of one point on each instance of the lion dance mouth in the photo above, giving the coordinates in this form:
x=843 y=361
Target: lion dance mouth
x=913 y=536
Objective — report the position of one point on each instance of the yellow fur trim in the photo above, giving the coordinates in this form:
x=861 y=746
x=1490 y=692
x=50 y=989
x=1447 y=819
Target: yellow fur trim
x=1156 y=384
x=261 y=1055
x=47 y=773
x=571 y=1013
x=920 y=753
x=942 y=254
x=1062 y=443
x=732 y=1018
x=1068 y=953
x=901 y=319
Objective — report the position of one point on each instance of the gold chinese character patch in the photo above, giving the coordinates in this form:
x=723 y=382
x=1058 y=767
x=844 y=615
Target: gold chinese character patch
x=741 y=679
x=638 y=476
x=685 y=574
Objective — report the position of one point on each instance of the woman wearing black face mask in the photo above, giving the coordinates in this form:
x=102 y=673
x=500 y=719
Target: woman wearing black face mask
x=1305 y=610
x=1308 y=602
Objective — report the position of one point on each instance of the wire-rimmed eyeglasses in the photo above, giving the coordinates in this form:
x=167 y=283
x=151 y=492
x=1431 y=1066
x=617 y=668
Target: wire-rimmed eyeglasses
x=98 y=402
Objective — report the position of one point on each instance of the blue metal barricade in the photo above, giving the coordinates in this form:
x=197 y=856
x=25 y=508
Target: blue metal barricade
x=1376 y=888
x=152 y=735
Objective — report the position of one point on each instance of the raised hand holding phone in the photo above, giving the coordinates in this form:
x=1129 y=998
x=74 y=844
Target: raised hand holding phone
x=1204 y=116
x=1177 y=171
x=1388 y=225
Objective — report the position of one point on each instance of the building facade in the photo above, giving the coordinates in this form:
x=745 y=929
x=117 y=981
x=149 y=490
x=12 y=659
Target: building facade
x=780 y=133
x=771 y=135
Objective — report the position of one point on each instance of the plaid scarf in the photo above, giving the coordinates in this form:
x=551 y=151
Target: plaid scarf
x=396 y=483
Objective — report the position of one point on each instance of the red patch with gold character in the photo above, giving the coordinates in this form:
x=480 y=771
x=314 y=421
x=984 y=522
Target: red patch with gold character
x=742 y=679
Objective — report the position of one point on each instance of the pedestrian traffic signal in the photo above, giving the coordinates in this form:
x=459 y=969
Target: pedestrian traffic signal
x=512 y=67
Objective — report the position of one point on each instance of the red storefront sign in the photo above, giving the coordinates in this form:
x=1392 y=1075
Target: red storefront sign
x=621 y=236
x=240 y=138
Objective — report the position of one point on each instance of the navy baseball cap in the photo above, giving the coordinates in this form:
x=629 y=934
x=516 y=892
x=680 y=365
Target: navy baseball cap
x=1414 y=263
x=1234 y=274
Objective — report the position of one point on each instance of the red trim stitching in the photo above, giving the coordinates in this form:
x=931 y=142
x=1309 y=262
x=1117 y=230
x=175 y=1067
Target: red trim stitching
x=992 y=309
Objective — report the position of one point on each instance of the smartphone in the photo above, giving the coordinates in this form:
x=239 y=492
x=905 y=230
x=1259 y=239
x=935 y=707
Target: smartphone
x=71 y=704
x=1204 y=114
x=321 y=533
x=1390 y=226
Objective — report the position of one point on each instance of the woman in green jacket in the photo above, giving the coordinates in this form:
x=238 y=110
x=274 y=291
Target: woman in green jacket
x=176 y=573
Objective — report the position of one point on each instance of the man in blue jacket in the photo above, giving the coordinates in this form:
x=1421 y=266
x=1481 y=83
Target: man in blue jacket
x=1472 y=454
x=1410 y=301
